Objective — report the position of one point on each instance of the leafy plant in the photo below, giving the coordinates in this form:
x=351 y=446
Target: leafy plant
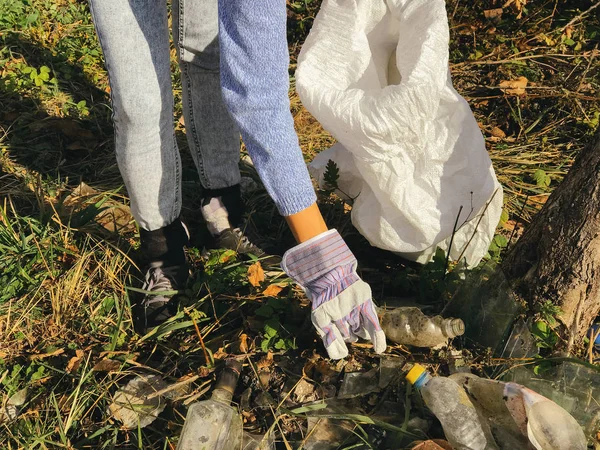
x=274 y=334
x=331 y=175
x=541 y=178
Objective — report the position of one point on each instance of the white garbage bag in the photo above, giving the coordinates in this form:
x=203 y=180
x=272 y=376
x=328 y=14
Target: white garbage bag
x=375 y=74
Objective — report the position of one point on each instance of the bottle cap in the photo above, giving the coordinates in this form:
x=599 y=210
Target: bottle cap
x=417 y=375
x=458 y=327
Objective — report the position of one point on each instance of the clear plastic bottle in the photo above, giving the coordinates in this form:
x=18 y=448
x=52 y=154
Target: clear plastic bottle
x=409 y=326
x=214 y=424
x=549 y=427
x=453 y=408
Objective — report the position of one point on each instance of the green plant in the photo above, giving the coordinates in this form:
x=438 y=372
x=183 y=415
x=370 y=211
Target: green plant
x=275 y=334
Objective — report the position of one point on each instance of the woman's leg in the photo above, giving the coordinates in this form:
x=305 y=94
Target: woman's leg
x=134 y=36
x=213 y=137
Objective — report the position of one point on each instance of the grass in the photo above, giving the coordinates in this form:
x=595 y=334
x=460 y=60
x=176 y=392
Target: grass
x=68 y=249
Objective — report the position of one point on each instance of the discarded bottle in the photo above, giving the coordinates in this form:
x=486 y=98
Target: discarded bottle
x=549 y=427
x=409 y=326
x=214 y=424
x=573 y=386
x=453 y=408
x=518 y=415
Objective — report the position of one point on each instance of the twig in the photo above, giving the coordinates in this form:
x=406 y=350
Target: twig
x=593 y=337
x=173 y=387
x=516 y=223
x=201 y=340
x=580 y=16
x=452 y=240
x=477 y=226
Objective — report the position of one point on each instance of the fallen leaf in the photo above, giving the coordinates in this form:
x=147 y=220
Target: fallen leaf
x=244 y=343
x=220 y=353
x=57 y=352
x=272 y=290
x=436 y=444
x=133 y=404
x=256 y=274
x=517 y=5
x=514 y=87
x=493 y=14
x=569 y=32
x=248 y=416
x=106 y=365
x=265 y=362
x=497 y=132
x=540 y=199
x=75 y=361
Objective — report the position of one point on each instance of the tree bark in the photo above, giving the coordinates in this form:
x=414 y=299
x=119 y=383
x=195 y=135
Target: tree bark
x=558 y=256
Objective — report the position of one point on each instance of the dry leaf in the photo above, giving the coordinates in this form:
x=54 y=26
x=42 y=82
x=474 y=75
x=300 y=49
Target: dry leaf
x=493 y=14
x=436 y=444
x=57 y=352
x=540 y=198
x=272 y=290
x=75 y=361
x=244 y=343
x=514 y=87
x=517 y=4
x=256 y=274
x=265 y=362
x=569 y=32
x=133 y=405
x=107 y=365
x=220 y=354
x=497 y=132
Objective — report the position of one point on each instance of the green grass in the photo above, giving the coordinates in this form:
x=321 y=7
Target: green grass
x=68 y=255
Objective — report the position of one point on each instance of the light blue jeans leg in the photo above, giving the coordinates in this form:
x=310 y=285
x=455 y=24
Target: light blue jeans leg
x=134 y=36
x=213 y=138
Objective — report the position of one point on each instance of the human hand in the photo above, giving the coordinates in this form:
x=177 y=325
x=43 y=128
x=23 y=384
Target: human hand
x=342 y=305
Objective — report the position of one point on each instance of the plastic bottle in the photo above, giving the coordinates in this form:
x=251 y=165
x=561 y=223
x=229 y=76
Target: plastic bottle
x=453 y=408
x=214 y=424
x=409 y=326
x=549 y=427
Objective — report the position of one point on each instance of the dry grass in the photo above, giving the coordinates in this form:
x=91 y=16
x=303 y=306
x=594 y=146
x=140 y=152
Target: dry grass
x=65 y=304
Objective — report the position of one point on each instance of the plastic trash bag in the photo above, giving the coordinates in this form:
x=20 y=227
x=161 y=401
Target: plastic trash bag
x=375 y=74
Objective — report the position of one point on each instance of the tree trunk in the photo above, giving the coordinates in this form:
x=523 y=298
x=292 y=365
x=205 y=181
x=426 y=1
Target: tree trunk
x=558 y=256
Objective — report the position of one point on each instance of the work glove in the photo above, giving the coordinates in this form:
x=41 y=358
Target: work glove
x=342 y=306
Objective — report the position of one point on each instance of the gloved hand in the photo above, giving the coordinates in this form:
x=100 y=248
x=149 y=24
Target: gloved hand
x=342 y=307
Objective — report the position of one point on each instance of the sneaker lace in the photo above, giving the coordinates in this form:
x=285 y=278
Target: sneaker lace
x=242 y=237
x=158 y=278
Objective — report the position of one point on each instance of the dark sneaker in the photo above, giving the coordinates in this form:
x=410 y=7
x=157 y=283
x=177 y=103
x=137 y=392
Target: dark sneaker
x=156 y=307
x=235 y=239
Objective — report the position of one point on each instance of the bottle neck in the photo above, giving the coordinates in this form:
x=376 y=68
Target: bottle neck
x=227 y=381
x=453 y=327
x=222 y=396
x=422 y=380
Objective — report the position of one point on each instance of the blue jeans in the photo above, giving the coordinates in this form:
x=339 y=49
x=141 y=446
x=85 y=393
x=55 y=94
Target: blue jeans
x=233 y=58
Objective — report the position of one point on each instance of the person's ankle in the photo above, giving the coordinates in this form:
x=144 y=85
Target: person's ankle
x=230 y=200
x=165 y=244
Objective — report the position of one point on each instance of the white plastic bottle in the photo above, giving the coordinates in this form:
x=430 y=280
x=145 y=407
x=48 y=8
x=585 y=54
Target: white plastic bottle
x=548 y=426
x=214 y=424
x=409 y=326
x=453 y=408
